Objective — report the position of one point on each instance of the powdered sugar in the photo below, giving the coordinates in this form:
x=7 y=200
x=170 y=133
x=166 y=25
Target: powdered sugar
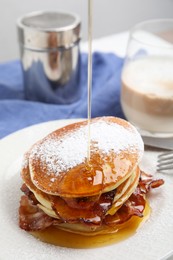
x=61 y=155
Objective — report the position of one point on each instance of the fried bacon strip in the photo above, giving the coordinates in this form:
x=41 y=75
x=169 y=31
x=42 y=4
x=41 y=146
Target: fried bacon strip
x=32 y=218
x=146 y=182
x=134 y=206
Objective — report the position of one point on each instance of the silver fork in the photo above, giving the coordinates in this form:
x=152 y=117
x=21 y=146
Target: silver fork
x=165 y=162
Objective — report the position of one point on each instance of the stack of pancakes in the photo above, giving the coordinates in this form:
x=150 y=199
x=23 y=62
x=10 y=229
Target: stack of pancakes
x=80 y=194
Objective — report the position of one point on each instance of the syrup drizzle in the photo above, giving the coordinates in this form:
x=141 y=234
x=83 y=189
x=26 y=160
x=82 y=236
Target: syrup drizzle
x=90 y=28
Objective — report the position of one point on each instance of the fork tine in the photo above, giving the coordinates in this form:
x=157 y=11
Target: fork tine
x=165 y=162
x=170 y=167
x=165 y=172
x=165 y=157
x=165 y=154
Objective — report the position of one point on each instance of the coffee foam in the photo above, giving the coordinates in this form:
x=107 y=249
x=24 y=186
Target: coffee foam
x=151 y=76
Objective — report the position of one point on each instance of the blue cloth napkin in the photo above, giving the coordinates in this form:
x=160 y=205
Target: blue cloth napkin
x=17 y=113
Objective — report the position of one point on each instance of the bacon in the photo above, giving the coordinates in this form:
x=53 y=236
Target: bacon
x=81 y=203
x=73 y=215
x=134 y=206
x=146 y=182
x=32 y=218
x=29 y=194
x=92 y=215
x=88 y=202
x=90 y=211
x=156 y=183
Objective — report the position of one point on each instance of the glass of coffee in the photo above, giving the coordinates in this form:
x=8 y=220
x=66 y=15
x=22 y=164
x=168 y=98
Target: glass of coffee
x=147 y=78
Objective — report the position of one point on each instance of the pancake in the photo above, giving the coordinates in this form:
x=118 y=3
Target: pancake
x=60 y=159
x=124 y=192
x=62 y=188
x=45 y=201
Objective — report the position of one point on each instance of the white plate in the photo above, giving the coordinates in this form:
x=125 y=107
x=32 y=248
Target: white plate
x=154 y=240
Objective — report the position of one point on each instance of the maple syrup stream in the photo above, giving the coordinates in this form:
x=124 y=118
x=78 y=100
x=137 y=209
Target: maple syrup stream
x=90 y=29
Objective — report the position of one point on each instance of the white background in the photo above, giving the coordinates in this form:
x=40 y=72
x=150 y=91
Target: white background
x=110 y=17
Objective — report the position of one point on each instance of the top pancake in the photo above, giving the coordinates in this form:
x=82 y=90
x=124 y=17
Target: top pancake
x=58 y=163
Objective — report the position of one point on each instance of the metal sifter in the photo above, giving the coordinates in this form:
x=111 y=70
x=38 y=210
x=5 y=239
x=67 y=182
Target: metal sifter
x=50 y=55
